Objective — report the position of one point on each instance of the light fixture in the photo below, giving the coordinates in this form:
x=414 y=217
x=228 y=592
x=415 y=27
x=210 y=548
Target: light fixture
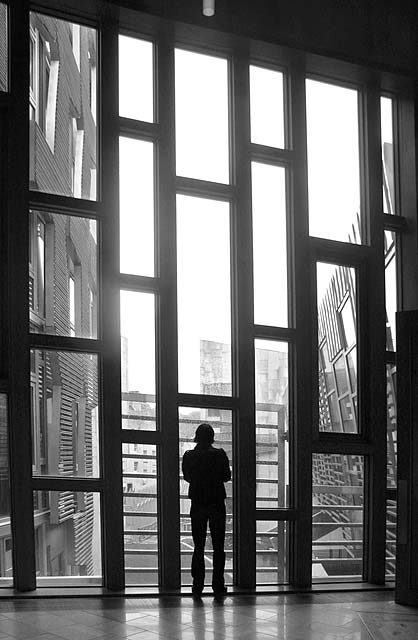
x=208 y=8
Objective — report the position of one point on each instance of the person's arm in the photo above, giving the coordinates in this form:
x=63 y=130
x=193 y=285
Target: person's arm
x=226 y=471
x=185 y=467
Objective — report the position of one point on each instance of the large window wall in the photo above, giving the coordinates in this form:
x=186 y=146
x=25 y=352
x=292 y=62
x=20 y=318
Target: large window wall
x=207 y=235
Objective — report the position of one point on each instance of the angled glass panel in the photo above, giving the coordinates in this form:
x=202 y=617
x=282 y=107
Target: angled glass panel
x=333 y=162
x=337 y=519
x=202 y=138
x=337 y=348
x=390 y=564
x=6 y=564
x=140 y=513
x=221 y=421
x=266 y=107
x=138 y=360
x=272 y=561
x=272 y=424
x=136 y=79
x=204 y=297
x=62 y=107
x=136 y=196
x=65 y=414
x=392 y=426
x=269 y=244
x=4 y=48
x=391 y=289
x=67 y=538
x=62 y=275
x=388 y=165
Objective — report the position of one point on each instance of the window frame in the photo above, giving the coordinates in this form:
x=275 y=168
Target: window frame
x=301 y=337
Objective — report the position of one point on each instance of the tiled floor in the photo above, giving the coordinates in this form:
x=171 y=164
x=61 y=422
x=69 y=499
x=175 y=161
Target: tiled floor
x=322 y=616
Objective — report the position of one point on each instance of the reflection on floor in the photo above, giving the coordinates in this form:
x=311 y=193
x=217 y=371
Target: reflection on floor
x=322 y=616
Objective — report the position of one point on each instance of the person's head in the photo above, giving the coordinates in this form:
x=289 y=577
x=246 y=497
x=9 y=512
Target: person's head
x=204 y=434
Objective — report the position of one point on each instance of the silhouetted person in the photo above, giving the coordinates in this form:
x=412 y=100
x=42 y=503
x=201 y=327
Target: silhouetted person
x=206 y=469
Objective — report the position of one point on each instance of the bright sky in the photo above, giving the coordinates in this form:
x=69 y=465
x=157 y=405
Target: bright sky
x=333 y=159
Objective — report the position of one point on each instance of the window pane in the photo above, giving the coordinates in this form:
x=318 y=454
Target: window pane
x=333 y=162
x=221 y=421
x=202 y=145
x=136 y=192
x=390 y=565
x=138 y=360
x=67 y=538
x=272 y=552
x=266 y=104
x=391 y=291
x=392 y=428
x=62 y=275
x=136 y=79
x=140 y=513
x=6 y=566
x=4 y=52
x=388 y=167
x=337 y=535
x=62 y=101
x=337 y=352
x=204 y=298
x=272 y=424
x=269 y=243
x=65 y=424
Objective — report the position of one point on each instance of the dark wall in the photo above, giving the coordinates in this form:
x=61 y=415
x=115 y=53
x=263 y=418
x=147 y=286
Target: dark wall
x=377 y=32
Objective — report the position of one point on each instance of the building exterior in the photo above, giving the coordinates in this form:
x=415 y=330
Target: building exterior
x=62 y=301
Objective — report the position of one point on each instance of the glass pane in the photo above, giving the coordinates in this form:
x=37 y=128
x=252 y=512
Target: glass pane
x=6 y=565
x=136 y=79
x=337 y=353
x=204 y=297
x=4 y=45
x=62 y=107
x=272 y=552
x=390 y=565
x=140 y=513
x=62 y=275
x=65 y=414
x=67 y=538
x=337 y=533
x=392 y=428
x=202 y=145
x=388 y=166
x=391 y=289
x=272 y=424
x=333 y=162
x=221 y=421
x=136 y=193
x=138 y=360
x=266 y=105
x=269 y=244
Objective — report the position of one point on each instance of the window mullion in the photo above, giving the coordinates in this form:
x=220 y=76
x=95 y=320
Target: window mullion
x=301 y=454
x=112 y=502
x=19 y=405
x=372 y=341
x=168 y=484
x=243 y=319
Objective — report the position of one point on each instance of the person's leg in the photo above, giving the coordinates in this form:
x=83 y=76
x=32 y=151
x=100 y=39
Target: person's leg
x=217 y=531
x=199 y=526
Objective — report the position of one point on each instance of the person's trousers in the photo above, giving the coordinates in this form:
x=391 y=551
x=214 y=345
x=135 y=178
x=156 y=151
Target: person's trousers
x=215 y=515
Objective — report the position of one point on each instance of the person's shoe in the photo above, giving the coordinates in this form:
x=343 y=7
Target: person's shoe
x=197 y=592
x=220 y=592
